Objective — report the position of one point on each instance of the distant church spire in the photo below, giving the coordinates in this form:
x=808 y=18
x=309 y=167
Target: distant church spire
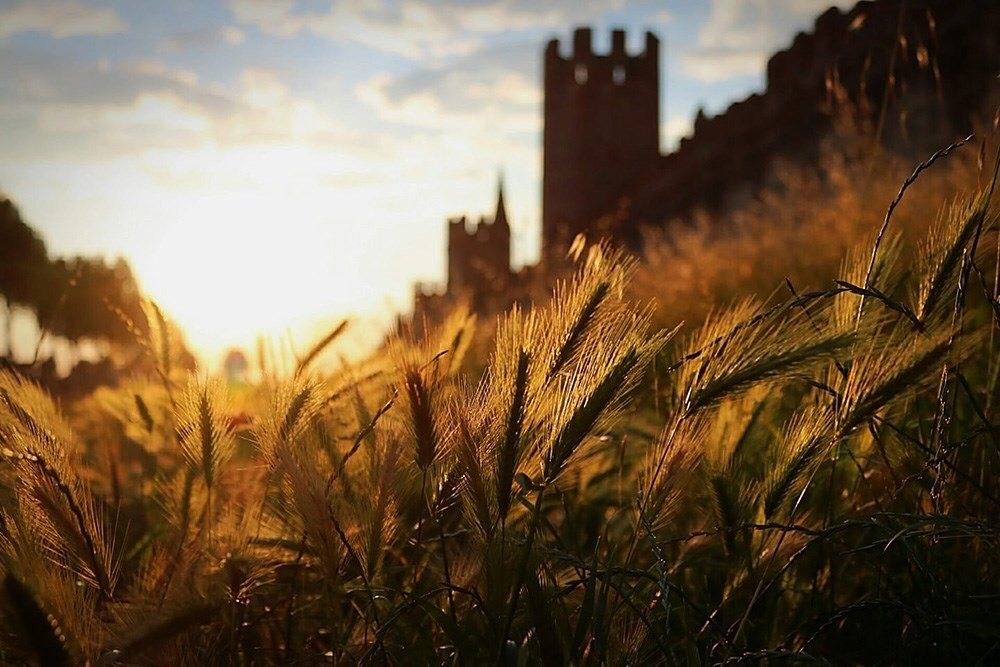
x=501 y=215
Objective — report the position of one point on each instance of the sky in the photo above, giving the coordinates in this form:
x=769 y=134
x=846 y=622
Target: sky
x=273 y=165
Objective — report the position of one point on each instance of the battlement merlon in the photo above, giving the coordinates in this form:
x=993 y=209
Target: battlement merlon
x=458 y=227
x=652 y=49
x=582 y=44
x=618 y=44
x=583 y=51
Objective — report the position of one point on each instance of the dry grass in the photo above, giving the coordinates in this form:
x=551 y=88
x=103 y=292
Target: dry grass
x=794 y=481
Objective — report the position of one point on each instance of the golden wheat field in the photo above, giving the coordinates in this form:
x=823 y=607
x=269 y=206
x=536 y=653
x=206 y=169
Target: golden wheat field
x=810 y=476
x=706 y=373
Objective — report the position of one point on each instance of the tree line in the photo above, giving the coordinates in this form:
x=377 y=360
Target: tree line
x=76 y=298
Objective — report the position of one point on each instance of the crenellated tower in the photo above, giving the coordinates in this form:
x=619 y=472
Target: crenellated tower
x=601 y=132
x=479 y=255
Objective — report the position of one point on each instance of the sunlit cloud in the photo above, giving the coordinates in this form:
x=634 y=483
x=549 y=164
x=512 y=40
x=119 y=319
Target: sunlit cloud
x=417 y=29
x=60 y=19
x=714 y=65
x=166 y=105
x=495 y=92
x=41 y=81
x=150 y=112
x=507 y=104
x=410 y=28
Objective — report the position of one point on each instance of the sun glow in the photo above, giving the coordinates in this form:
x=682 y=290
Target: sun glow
x=244 y=264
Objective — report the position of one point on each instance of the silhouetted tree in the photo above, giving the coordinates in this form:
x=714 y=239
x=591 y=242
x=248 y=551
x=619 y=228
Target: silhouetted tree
x=24 y=263
x=75 y=298
x=85 y=298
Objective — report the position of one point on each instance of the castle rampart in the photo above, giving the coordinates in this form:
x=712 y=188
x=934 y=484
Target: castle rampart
x=931 y=63
x=944 y=70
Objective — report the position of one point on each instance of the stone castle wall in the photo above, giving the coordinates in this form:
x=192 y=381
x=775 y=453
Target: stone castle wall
x=944 y=69
x=919 y=69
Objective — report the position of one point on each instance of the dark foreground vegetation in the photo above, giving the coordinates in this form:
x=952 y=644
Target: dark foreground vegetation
x=809 y=478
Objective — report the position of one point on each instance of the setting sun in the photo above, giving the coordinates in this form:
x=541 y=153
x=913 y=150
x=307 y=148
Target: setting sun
x=254 y=265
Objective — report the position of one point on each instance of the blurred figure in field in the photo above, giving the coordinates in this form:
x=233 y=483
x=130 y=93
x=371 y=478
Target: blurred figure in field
x=235 y=366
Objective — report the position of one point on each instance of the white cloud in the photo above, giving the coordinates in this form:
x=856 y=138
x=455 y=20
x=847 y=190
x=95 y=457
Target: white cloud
x=714 y=65
x=154 y=69
x=502 y=103
x=494 y=92
x=663 y=16
x=416 y=29
x=113 y=109
x=149 y=115
x=229 y=35
x=508 y=87
x=270 y=16
x=410 y=29
x=739 y=35
x=67 y=18
x=232 y=35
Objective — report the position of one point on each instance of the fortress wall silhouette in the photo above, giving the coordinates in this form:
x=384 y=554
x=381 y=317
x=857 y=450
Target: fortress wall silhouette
x=603 y=174
x=944 y=70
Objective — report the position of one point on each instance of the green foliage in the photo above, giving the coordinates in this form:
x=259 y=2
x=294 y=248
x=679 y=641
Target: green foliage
x=75 y=298
x=23 y=257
